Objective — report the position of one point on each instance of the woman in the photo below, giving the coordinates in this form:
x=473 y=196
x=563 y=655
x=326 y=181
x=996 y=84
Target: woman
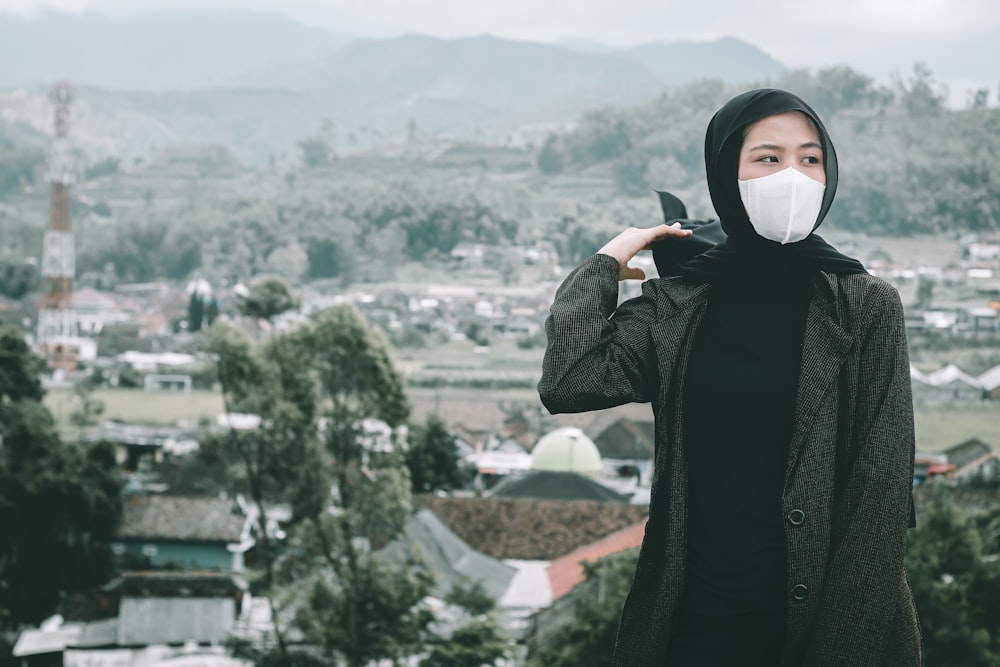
x=778 y=374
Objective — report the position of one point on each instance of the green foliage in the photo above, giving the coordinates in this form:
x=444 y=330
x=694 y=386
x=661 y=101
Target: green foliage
x=371 y=612
x=268 y=298
x=550 y=159
x=470 y=596
x=20 y=161
x=956 y=588
x=329 y=399
x=88 y=409
x=477 y=644
x=19 y=369
x=17 y=277
x=907 y=164
x=196 y=311
x=477 y=332
x=588 y=639
x=107 y=167
x=432 y=457
x=141 y=250
x=354 y=365
x=59 y=503
x=315 y=152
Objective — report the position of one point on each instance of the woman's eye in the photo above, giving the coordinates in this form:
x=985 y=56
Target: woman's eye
x=812 y=159
x=769 y=158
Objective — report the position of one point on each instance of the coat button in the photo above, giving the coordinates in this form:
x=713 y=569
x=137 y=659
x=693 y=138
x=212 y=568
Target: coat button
x=800 y=592
x=796 y=517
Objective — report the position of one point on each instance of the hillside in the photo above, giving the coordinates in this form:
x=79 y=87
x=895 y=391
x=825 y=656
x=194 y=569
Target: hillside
x=258 y=84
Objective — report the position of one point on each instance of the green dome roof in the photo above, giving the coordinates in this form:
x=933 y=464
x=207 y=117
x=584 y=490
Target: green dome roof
x=567 y=450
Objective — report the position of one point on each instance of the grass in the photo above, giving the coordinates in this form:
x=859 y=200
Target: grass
x=139 y=407
x=941 y=426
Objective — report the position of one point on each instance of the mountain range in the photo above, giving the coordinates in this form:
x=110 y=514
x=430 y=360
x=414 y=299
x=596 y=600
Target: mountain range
x=258 y=83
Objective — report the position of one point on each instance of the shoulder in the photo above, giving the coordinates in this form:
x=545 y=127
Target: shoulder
x=862 y=290
x=866 y=300
x=676 y=291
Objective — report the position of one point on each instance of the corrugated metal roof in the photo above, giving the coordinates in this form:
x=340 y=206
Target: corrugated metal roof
x=143 y=621
x=451 y=559
x=37 y=642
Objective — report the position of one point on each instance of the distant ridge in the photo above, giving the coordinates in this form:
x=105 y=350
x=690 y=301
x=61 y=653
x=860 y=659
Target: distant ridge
x=208 y=48
x=177 y=50
x=729 y=59
x=258 y=83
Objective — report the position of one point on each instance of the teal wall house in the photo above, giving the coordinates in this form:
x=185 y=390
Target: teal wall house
x=181 y=532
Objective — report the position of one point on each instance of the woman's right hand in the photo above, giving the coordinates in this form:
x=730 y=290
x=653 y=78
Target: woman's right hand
x=626 y=245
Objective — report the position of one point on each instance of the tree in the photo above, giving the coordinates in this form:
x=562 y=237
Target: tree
x=921 y=95
x=196 y=311
x=588 y=639
x=267 y=298
x=88 y=409
x=475 y=644
x=955 y=587
x=17 y=277
x=432 y=457
x=550 y=159
x=330 y=444
x=59 y=504
x=315 y=152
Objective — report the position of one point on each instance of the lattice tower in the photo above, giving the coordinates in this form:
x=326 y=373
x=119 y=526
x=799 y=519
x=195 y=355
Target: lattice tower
x=56 y=323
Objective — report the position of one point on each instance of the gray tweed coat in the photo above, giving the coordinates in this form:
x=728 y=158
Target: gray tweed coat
x=848 y=479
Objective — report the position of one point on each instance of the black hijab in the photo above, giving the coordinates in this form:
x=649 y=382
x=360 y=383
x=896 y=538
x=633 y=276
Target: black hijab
x=744 y=254
x=670 y=254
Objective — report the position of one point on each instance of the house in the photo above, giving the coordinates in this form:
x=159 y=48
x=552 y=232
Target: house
x=928 y=467
x=180 y=531
x=566 y=572
x=156 y=619
x=990 y=382
x=949 y=383
x=139 y=443
x=569 y=586
x=983 y=470
x=966 y=452
x=453 y=561
x=627 y=447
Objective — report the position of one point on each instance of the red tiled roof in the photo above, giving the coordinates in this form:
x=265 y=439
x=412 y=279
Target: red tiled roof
x=567 y=572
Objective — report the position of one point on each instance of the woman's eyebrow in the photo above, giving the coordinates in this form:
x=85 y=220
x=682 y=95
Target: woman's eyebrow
x=776 y=147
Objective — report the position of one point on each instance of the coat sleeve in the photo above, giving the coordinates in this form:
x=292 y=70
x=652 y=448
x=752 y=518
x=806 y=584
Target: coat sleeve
x=865 y=592
x=596 y=356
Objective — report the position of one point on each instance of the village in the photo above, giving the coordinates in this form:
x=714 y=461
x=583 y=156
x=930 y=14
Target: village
x=544 y=493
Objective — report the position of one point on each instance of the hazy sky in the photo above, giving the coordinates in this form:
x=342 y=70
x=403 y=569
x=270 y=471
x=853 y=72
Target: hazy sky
x=958 y=39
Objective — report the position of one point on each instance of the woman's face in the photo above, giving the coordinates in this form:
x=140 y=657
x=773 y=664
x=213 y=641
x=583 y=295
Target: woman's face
x=777 y=142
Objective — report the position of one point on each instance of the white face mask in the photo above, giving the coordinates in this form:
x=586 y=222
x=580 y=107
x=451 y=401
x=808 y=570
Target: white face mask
x=783 y=206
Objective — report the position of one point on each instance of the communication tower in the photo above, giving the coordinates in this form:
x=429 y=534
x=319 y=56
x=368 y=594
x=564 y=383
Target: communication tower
x=56 y=323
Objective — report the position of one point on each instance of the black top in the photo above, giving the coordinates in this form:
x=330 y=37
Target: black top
x=740 y=391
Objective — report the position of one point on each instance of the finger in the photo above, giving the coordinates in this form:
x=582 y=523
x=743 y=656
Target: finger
x=664 y=230
x=675 y=230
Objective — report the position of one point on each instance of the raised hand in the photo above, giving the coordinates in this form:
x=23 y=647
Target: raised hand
x=627 y=245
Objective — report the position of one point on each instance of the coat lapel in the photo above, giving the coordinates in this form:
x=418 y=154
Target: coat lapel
x=824 y=349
